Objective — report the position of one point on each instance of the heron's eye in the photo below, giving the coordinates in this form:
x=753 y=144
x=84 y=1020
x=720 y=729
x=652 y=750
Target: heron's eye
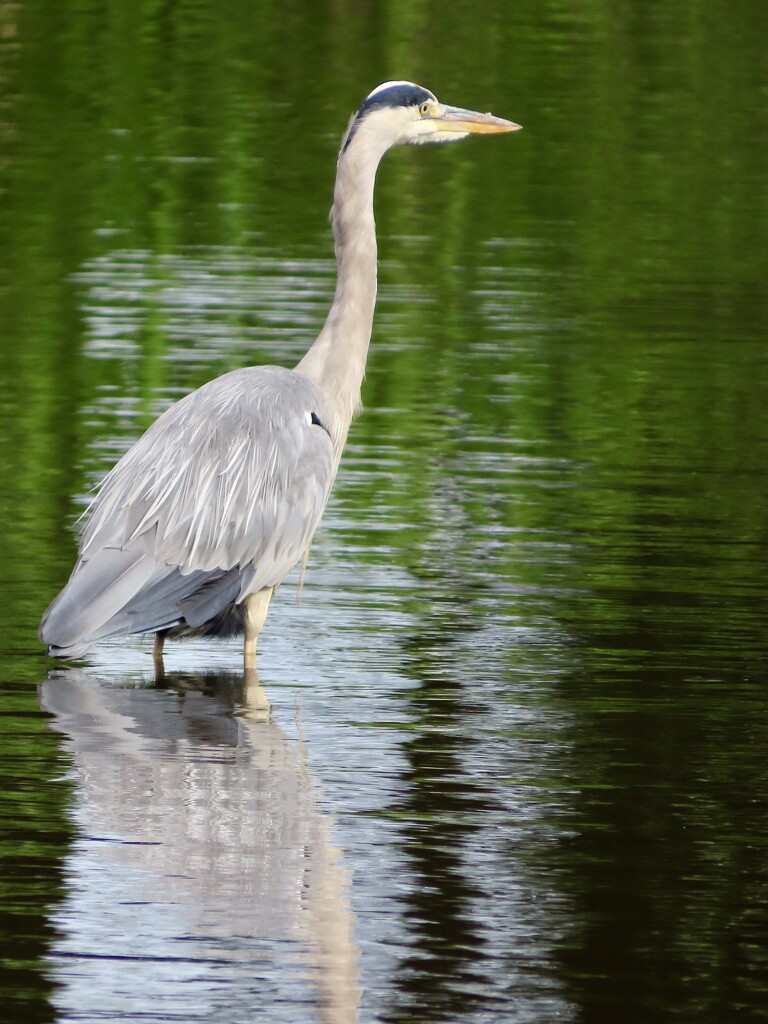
x=425 y=108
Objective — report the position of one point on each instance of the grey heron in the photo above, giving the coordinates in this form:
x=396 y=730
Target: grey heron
x=199 y=522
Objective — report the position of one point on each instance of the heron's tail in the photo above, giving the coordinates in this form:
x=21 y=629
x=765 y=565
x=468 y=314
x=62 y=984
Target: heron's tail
x=117 y=592
x=97 y=590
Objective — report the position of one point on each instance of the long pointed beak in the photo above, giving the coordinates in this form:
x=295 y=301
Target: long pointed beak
x=455 y=119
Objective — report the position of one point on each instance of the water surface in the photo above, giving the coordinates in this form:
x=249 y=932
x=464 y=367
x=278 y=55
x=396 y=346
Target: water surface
x=513 y=767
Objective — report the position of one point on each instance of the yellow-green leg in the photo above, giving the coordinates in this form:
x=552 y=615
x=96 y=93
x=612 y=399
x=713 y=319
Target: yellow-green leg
x=256 y=606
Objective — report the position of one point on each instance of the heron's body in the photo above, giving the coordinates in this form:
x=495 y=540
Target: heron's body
x=215 y=504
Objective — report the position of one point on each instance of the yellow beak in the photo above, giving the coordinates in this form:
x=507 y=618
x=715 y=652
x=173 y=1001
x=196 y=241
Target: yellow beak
x=455 y=119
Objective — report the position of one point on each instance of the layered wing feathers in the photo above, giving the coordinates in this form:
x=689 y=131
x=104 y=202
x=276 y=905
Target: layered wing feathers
x=218 y=499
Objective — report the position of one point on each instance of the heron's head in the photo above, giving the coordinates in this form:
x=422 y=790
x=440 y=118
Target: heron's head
x=398 y=113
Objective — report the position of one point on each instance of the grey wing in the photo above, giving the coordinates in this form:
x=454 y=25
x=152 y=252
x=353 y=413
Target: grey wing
x=218 y=499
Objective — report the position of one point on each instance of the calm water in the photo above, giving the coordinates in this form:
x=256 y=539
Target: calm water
x=505 y=758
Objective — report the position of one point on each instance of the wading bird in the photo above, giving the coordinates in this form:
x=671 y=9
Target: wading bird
x=213 y=506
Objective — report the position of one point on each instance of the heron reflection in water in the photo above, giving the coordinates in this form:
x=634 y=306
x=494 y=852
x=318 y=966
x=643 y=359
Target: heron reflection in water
x=203 y=857
x=214 y=505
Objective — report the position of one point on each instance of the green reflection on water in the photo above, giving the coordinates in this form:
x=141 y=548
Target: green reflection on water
x=569 y=360
x=34 y=834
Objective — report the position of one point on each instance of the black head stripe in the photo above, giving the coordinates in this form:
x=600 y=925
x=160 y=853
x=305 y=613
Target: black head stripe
x=403 y=94
x=400 y=95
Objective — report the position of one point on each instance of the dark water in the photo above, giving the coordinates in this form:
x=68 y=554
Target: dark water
x=514 y=767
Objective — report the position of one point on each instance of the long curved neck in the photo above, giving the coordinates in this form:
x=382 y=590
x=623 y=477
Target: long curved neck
x=335 y=363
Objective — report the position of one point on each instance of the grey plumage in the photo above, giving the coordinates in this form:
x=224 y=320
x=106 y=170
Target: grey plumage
x=219 y=498
x=215 y=504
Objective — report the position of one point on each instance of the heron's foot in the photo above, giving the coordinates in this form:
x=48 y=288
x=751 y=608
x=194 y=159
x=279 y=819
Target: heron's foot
x=157 y=655
x=249 y=655
x=256 y=705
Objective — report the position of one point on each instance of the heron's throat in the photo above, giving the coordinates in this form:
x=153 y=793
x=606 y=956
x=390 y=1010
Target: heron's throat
x=336 y=360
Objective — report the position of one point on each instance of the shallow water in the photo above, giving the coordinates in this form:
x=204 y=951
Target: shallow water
x=512 y=766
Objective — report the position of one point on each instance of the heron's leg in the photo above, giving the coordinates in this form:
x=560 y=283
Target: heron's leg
x=256 y=705
x=157 y=653
x=255 y=606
